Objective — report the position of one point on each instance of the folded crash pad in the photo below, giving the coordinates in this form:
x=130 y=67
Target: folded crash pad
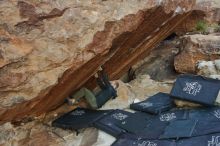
x=199 y=122
x=203 y=114
x=179 y=129
x=135 y=122
x=176 y=114
x=205 y=140
x=155 y=104
x=109 y=122
x=157 y=125
x=133 y=140
x=151 y=126
x=79 y=118
x=197 y=89
x=206 y=127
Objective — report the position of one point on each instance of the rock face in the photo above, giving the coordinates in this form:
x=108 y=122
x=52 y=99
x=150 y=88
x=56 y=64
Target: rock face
x=209 y=68
x=159 y=63
x=49 y=49
x=196 y=48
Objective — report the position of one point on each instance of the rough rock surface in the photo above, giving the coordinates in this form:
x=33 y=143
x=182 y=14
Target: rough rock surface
x=196 y=48
x=160 y=62
x=209 y=68
x=49 y=49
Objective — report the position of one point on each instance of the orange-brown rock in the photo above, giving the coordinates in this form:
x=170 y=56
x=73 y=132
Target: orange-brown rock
x=195 y=48
x=59 y=45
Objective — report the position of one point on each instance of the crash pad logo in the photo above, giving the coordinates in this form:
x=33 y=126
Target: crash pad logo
x=147 y=143
x=146 y=104
x=217 y=114
x=192 y=88
x=167 y=117
x=78 y=112
x=119 y=116
x=215 y=141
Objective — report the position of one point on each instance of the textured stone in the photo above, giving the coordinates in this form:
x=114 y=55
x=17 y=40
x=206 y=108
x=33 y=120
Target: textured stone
x=144 y=87
x=209 y=68
x=195 y=48
x=140 y=88
x=160 y=62
x=49 y=38
x=124 y=99
x=49 y=49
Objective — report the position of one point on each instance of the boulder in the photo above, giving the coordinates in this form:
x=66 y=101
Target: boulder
x=196 y=48
x=209 y=68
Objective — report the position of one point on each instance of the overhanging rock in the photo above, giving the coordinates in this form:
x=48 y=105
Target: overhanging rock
x=50 y=49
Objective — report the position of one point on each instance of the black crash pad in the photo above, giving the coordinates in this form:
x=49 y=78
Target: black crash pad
x=133 y=140
x=109 y=122
x=196 y=89
x=79 y=118
x=155 y=104
x=179 y=129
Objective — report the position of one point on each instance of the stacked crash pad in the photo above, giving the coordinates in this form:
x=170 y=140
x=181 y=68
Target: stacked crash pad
x=157 y=121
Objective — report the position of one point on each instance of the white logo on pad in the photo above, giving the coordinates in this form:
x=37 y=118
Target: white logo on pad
x=119 y=116
x=215 y=141
x=192 y=88
x=217 y=114
x=167 y=117
x=78 y=112
x=147 y=143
